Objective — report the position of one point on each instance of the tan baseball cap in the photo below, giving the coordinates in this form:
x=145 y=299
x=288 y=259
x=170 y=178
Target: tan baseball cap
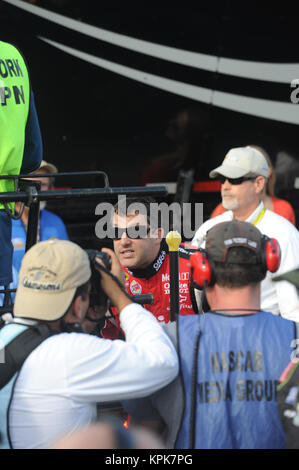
x=50 y=273
x=48 y=167
x=242 y=161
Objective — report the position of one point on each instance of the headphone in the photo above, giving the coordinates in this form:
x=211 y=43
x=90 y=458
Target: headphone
x=203 y=270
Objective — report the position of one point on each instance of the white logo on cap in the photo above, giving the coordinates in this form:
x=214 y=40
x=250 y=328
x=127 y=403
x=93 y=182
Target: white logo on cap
x=240 y=240
x=41 y=285
x=232 y=157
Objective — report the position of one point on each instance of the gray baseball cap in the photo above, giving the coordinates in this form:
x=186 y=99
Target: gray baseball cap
x=242 y=161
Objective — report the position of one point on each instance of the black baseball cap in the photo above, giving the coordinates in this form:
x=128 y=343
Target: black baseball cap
x=226 y=235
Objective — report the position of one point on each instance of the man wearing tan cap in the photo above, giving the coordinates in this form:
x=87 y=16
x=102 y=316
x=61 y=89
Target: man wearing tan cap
x=242 y=174
x=50 y=224
x=63 y=378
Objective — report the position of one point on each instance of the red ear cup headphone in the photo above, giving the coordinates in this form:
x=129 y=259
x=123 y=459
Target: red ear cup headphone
x=202 y=268
x=271 y=254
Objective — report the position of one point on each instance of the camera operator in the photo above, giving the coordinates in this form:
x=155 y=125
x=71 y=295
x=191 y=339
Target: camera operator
x=56 y=387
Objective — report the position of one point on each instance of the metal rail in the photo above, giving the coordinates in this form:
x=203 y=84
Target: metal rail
x=30 y=195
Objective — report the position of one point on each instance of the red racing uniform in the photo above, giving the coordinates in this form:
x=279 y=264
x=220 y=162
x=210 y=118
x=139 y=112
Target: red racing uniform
x=155 y=279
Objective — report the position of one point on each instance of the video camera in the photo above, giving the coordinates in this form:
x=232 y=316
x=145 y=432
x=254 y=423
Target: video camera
x=97 y=295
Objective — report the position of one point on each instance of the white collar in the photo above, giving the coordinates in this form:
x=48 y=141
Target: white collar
x=255 y=213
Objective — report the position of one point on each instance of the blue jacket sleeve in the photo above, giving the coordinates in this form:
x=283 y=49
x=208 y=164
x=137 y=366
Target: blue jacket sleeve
x=33 y=150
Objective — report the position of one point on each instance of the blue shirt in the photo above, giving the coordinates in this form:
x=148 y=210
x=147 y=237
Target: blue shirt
x=51 y=226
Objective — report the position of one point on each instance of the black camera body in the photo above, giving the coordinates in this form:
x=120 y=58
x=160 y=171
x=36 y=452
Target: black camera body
x=97 y=295
x=93 y=254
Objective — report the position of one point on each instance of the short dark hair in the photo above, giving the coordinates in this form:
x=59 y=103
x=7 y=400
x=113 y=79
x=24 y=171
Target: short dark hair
x=81 y=291
x=145 y=200
x=233 y=275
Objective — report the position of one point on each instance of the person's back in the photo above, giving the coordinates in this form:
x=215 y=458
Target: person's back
x=51 y=387
x=237 y=379
x=241 y=349
x=20 y=140
x=14 y=98
x=231 y=358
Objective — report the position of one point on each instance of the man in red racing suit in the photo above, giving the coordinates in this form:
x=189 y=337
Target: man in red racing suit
x=145 y=262
x=155 y=279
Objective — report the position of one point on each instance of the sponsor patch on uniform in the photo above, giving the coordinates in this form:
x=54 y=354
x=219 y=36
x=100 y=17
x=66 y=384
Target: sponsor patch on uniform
x=157 y=265
x=135 y=287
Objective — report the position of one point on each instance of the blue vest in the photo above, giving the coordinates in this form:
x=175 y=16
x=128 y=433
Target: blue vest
x=7 y=334
x=239 y=361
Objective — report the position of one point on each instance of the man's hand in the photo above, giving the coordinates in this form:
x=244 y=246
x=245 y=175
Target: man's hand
x=110 y=287
x=116 y=268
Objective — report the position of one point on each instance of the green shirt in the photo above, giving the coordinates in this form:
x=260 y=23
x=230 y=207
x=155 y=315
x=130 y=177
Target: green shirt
x=14 y=108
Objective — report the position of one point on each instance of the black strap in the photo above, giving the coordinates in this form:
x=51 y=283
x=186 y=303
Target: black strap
x=296 y=331
x=181 y=377
x=17 y=351
x=192 y=297
x=193 y=401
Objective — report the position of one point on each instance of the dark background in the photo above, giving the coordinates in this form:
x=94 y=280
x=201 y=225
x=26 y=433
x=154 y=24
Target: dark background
x=93 y=119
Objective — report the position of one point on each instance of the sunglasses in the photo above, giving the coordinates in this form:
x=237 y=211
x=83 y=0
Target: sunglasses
x=235 y=181
x=133 y=231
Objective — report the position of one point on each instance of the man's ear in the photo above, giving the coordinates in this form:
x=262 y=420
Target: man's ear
x=77 y=311
x=260 y=183
x=159 y=233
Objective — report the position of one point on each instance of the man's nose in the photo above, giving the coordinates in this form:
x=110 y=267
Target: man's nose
x=124 y=238
x=226 y=184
